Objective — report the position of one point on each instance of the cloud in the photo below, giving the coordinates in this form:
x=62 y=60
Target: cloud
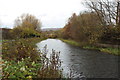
x=50 y=12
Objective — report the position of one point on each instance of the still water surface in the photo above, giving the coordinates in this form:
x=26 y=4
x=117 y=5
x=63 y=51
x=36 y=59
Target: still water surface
x=92 y=63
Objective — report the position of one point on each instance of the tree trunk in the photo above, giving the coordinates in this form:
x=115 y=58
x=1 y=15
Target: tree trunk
x=118 y=14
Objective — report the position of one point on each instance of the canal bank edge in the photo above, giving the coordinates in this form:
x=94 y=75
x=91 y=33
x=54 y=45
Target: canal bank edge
x=107 y=48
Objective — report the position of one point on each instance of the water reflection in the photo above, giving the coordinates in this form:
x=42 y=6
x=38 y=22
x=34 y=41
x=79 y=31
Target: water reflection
x=93 y=64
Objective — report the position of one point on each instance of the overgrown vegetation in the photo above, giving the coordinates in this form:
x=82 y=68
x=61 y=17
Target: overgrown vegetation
x=74 y=43
x=22 y=60
x=86 y=28
x=18 y=49
x=110 y=50
x=80 y=28
x=114 y=51
x=100 y=24
x=26 y=26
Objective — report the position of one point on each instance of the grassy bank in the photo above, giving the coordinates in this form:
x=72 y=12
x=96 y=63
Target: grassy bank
x=114 y=51
x=21 y=59
x=71 y=42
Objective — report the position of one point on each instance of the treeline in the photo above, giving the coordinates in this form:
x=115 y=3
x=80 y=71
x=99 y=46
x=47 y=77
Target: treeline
x=100 y=24
x=26 y=26
x=21 y=58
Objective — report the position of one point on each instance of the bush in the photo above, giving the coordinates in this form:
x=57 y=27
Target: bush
x=22 y=60
x=111 y=36
x=6 y=33
x=19 y=49
x=25 y=33
x=26 y=68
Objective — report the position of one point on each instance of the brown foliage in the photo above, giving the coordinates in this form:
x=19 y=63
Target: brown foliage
x=84 y=27
x=28 y=21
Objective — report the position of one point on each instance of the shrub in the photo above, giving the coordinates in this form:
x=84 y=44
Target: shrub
x=25 y=33
x=26 y=68
x=19 y=49
x=22 y=60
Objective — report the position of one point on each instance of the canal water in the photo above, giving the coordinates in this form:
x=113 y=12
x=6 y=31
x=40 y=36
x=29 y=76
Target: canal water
x=91 y=63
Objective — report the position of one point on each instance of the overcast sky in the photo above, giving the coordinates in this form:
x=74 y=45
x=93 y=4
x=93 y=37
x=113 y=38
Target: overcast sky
x=52 y=13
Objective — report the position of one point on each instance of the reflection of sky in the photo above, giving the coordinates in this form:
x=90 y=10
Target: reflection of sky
x=58 y=46
x=66 y=54
x=93 y=64
x=52 y=13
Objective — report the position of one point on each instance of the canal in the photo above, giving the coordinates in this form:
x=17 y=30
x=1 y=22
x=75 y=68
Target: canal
x=92 y=63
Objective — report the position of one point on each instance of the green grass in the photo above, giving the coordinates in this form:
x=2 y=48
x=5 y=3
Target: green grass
x=114 y=51
x=71 y=42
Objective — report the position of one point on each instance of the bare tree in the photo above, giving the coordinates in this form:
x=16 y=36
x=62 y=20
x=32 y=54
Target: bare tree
x=118 y=13
x=107 y=11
